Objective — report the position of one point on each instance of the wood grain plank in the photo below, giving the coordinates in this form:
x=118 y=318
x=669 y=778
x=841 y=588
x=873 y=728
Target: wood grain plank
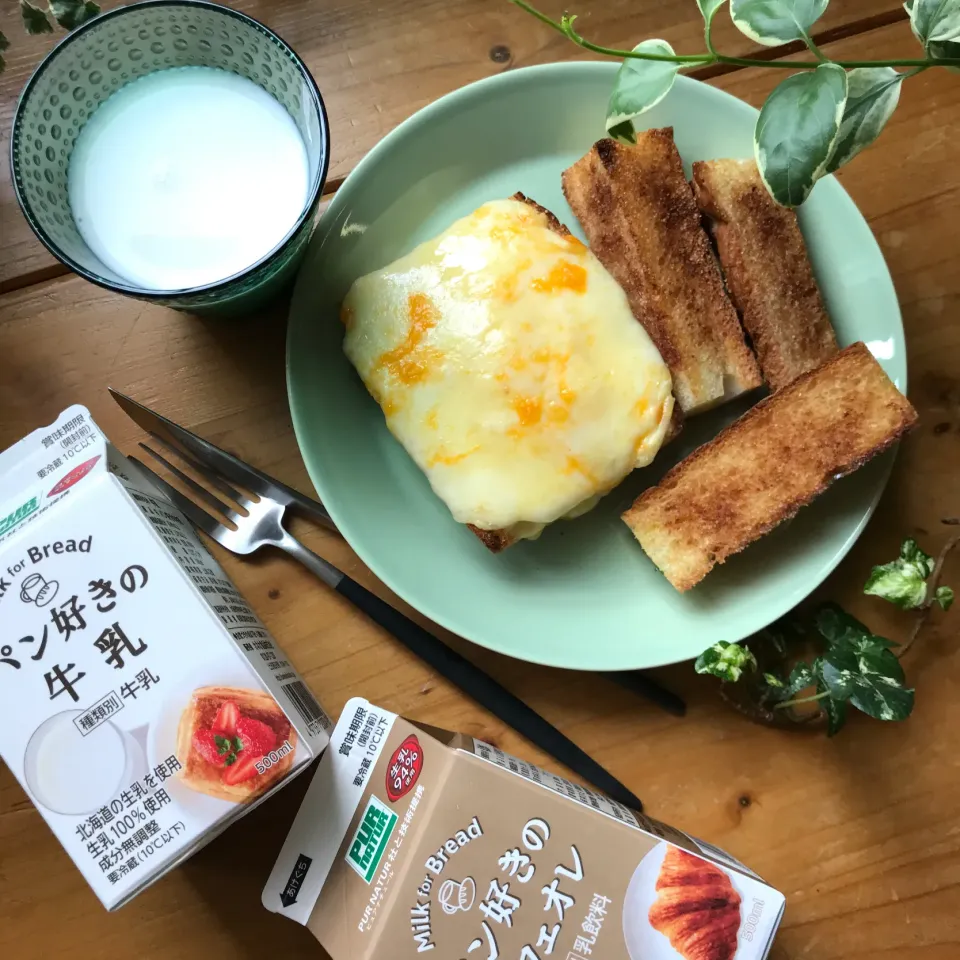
x=377 y=61
x=861 y=833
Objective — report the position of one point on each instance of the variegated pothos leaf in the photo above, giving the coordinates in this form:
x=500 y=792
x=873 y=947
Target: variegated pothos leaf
x=933 y=20
x=640 y=85
x=34 y=19
x=709 y=7
x=797 y=130
x=872 y=96
x=772 y=22
x=71 y=13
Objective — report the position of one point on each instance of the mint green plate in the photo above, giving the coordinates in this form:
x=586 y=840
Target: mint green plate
x=584 y=595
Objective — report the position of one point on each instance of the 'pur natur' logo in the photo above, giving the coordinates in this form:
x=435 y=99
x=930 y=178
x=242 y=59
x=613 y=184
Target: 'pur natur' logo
x=21 y=513
x=369 y=842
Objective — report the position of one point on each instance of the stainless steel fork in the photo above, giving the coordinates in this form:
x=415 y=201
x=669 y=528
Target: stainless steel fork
x=244 y=524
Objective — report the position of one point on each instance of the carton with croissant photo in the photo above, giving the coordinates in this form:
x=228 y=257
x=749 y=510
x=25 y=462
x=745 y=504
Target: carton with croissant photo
x=414 y=841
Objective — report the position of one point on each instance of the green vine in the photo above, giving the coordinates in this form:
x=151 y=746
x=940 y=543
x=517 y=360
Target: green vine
x=814 y=121
x=565 y=26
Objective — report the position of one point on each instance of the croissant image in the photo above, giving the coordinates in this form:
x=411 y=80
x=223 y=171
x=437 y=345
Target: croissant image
x=696 y=908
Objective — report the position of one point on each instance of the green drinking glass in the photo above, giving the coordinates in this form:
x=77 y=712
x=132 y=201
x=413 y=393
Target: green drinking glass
x=121 y=46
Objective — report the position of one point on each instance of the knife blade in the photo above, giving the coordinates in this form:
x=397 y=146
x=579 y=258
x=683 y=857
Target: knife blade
x=237 y=470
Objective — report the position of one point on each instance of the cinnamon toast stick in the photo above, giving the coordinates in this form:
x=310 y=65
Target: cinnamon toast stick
x=763 y=468
x=638 y=212
x=768 y=273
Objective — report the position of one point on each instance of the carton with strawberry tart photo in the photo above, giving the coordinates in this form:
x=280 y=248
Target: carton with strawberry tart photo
x=145 y=705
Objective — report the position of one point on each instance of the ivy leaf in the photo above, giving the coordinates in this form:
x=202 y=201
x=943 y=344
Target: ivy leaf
x=71 y=13
x=944 y=596
x=780 y=689
x=789 y=629
x=836 y=711
x=725 y=660
x=872 y=680
x=801 y=676
x=34 y=19
x=872 y=96
x=640 y=85
x=709 y=7
x=902 y=581
x=772 y=22
x=934 y=19
x=836 y=626
x=839 y=628
x=797 y=131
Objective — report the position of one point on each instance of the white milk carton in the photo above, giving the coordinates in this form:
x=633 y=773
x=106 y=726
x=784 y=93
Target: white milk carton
x=144 y=705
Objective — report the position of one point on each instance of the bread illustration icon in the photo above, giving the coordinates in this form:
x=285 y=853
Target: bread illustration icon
x=696 y=908
x=455 y=896
x=35 y=589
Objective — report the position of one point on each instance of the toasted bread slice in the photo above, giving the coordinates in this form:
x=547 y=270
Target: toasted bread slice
x=768 y=272
x=497 y=540
x=775 y=459
x=639 y=215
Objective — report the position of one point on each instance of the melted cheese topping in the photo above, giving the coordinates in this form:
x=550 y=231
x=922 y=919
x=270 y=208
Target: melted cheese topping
x=509 y=365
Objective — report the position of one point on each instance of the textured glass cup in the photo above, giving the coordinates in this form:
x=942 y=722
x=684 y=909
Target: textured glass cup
x=130 y=42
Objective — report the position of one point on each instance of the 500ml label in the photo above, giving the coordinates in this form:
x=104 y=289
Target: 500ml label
x=273 y=757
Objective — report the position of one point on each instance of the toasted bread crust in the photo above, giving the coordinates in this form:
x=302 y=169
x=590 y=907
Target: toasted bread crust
x=493 y=540
x=763 y=468
x=639 y=215
x=767 y=269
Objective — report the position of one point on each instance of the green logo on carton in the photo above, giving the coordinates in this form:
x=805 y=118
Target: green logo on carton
x=21 y=513
x=370 y=841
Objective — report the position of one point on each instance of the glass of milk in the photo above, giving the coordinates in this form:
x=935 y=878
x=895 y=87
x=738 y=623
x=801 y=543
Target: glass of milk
x=174 y=152
x=73 y=773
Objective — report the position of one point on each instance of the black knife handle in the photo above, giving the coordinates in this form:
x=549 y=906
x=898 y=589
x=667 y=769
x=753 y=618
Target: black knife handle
x=486 y=691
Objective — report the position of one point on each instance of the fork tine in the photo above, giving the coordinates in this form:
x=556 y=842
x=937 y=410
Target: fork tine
x=226 y=463
x=206 y=471
x=223 y=462
x=199 y=490
x=190 y=510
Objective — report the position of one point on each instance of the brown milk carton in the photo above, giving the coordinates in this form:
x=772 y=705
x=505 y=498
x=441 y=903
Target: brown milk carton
x=413 y=841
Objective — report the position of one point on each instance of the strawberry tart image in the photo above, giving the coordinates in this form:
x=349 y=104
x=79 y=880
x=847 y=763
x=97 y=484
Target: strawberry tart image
x=225 y=736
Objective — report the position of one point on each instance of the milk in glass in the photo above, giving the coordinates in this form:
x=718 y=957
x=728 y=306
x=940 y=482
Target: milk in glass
x=187 y=176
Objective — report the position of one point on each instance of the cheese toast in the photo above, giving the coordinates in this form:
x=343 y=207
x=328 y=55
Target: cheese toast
x=497 y=540
x=775 y=459
x=768 y=273
x=640 y=217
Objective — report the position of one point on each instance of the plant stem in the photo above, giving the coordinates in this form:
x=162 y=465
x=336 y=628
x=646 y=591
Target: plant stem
x=708 y=33
x=812 y=47
x=703 y=59
x=932 y=583
x=792 y=703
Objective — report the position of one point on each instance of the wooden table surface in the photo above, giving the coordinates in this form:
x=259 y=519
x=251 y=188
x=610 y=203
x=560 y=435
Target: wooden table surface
x=862 y=833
